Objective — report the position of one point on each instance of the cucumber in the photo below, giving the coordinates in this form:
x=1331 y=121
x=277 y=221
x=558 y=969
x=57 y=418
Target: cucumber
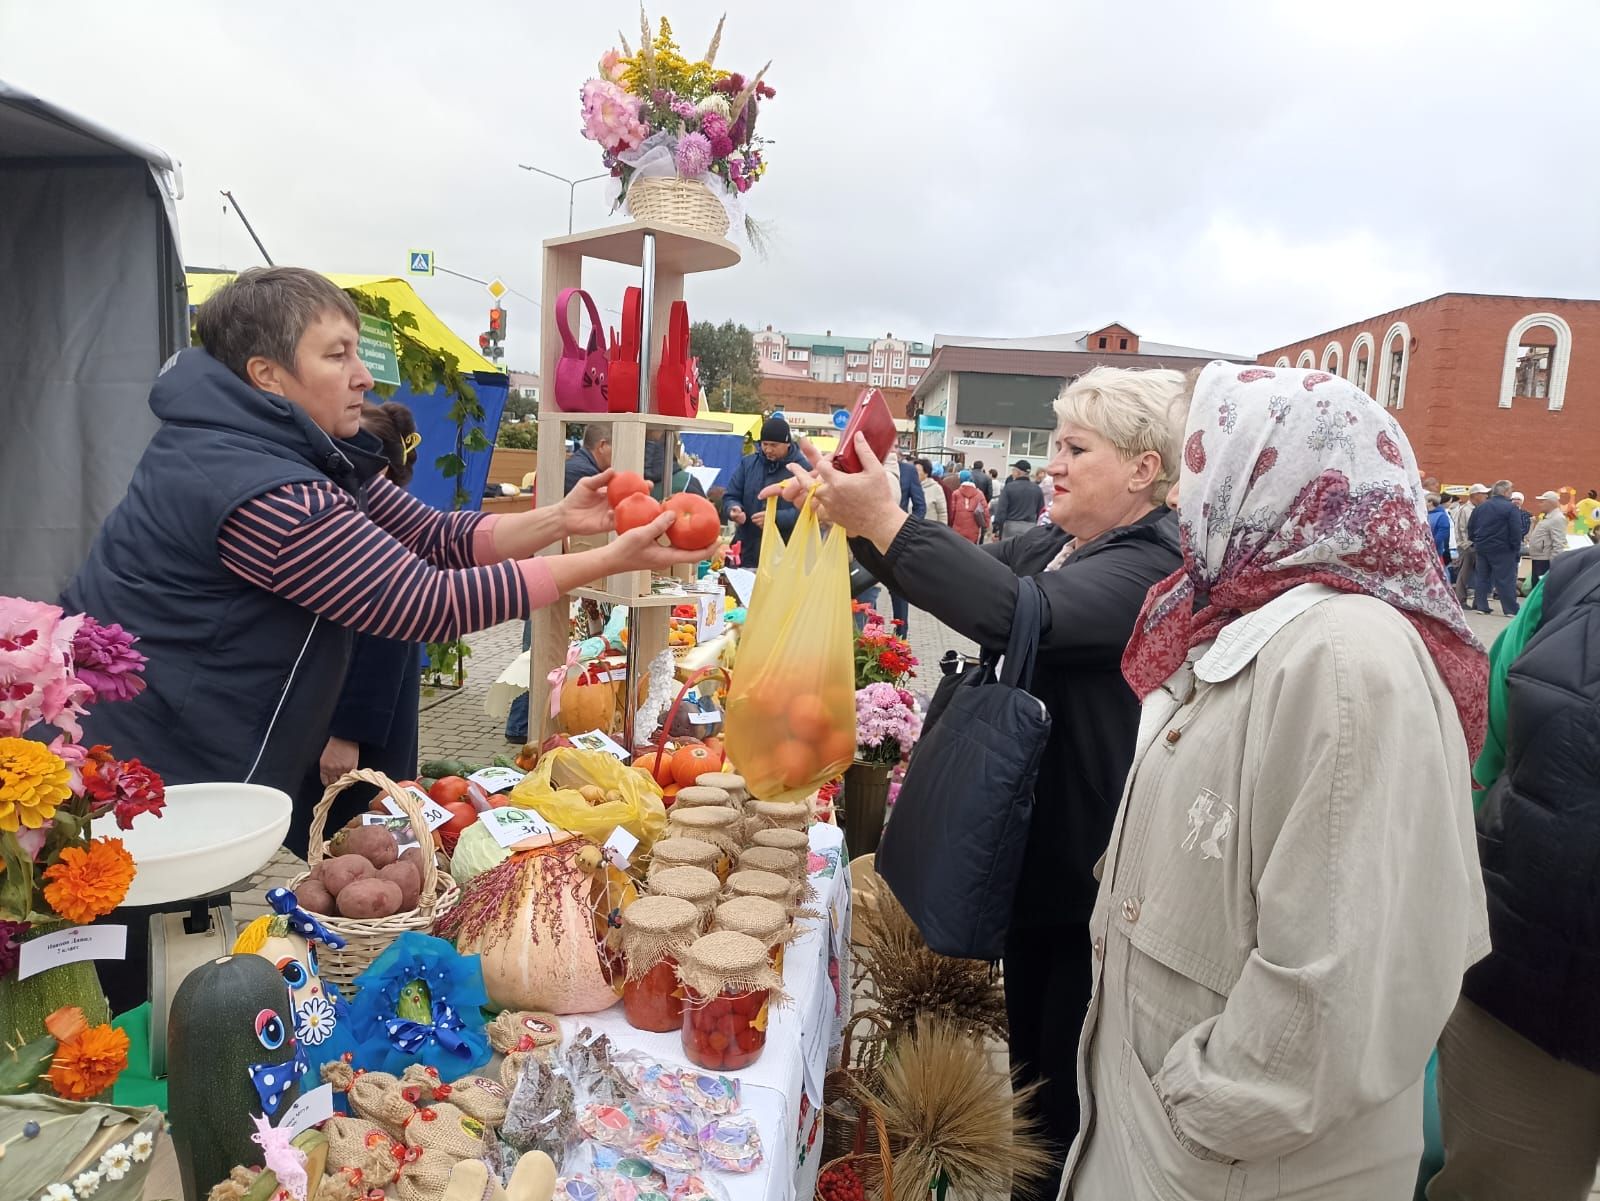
x=446 y=767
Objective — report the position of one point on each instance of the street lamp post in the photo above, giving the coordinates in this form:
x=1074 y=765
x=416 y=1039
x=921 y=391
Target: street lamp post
x=572 y=186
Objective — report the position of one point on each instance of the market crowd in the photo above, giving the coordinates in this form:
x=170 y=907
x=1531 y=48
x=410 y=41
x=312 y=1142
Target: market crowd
x=1294 y=830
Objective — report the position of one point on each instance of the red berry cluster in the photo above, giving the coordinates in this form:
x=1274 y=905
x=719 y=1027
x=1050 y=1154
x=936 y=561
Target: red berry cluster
x=840 y=1183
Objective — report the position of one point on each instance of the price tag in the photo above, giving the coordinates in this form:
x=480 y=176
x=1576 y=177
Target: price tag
x=511 y=825
x=311 y=1108
x=597 y=740
x=404 y=836
x=433 y=813
x=619 y=848
x=71 y=945
x=497 y=779
x=710 y=718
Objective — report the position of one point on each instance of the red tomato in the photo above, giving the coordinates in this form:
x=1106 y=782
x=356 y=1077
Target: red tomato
x=624 y=484
x=449 y=788
x=462 y=815
x=697 y=526
x=636 y=509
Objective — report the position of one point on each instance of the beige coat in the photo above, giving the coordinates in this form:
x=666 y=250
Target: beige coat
x=1548 y=538
x=1289 y=899
x=938 y=507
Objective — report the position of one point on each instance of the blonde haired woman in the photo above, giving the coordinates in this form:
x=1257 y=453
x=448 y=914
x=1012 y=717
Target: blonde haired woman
x=1110 y=538
x=1291 y=892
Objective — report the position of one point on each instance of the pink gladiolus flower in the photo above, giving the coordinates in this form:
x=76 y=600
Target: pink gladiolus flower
x=611 y=67
x=36 y=680
x=611 y=116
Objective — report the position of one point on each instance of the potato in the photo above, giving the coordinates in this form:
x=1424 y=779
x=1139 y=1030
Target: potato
x=342 y=871
x=375 y=843
x=409 y=880
x=369 y=898
x=593 y=794
x=413 y=856
x=313 y=895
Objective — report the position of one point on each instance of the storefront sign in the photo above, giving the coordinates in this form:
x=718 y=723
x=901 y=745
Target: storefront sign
x=930 y=425
x=376 y=348
x=971 y=439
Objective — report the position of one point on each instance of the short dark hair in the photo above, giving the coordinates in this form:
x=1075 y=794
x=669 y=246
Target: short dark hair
x=265 y=311
x=595 y=433
x=926 y=465
x=393 y=423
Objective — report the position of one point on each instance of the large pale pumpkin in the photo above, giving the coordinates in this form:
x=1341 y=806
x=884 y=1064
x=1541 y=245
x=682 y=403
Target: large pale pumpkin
x=586 y=705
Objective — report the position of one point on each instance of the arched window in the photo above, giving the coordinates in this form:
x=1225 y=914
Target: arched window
x=1361 y=356
x=1283 y=361
x=1538 y=353
x=1333 y=358
x=1394 y=357
x=1306 y=359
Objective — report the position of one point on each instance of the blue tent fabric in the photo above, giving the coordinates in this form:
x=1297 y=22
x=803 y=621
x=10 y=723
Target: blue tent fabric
x=722 y=451
x=431 y=413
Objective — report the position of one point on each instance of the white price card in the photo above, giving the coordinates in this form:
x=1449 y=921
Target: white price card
x=709 y=718
x=619 y=848
x=71 y=945
x=433 y=813
x=597 y=740
x=511 y=825
x=311 y=1108
x=497 y=779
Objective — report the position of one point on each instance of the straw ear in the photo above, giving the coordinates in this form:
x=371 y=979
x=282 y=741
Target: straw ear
x=716 y=41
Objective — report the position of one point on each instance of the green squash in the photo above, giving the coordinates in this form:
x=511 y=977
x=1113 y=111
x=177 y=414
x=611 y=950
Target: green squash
x=230 y=1022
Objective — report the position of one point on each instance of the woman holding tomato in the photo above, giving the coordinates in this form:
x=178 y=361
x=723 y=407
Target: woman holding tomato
x=1110 y=538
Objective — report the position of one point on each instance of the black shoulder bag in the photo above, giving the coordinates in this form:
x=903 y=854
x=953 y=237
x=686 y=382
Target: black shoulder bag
x=952 y=851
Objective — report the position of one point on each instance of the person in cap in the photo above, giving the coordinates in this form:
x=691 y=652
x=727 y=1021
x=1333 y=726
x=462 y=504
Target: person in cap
x=1518 y=499
x=767 y=464
x=1017 y=509
x=1467 y=565
x=1548 y=537
x=1496 y=532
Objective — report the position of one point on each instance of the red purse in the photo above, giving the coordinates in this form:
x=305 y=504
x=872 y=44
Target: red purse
x=580 y=371
x=673 y=397
x=622 y=385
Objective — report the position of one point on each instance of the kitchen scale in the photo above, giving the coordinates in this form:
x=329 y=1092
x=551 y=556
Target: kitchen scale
x=210 y=840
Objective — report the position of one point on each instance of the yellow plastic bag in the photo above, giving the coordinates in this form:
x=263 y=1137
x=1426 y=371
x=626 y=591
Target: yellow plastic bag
x=632 y=802
x=791 y=713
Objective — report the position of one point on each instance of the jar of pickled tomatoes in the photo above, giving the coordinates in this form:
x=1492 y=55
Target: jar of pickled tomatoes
x=727 y=985
x=765 y=921
x=655 y=931
x=718 y=825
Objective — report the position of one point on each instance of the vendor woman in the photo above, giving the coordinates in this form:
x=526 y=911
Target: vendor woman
x=258 y=532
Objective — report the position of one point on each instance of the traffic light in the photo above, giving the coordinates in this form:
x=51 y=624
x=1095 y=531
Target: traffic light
x=497 y=324
x=483 y=343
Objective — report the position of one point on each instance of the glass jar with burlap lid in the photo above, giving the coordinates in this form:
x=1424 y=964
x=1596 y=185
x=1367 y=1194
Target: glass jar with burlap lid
x=752 y=883
x=729 y=782
x=782 y=815
x=772 y=859
x=717 y=824
x=797 y=841
x=655 y=931
x=697 y=795
x=696 y=885
x=765 y=921
x=729 y=983
x=683 y=852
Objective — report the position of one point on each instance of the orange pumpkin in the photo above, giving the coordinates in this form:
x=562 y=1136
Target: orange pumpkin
x=689 y=763
x=586 y=705
x=646 y=759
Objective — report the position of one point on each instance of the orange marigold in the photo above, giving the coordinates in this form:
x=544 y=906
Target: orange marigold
x=66 y=1023
x=89 y=1064
x=89 y=882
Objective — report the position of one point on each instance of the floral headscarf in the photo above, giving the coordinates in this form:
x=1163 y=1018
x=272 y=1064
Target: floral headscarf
x=1293 y=477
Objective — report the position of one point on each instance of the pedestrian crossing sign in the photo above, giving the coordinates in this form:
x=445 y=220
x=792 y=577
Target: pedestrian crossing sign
x=421 y=262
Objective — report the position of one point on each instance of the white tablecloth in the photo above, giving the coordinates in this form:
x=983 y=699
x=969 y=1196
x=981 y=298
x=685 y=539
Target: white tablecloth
x=782 y=1090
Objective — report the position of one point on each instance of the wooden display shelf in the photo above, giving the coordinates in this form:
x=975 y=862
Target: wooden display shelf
x=654 y=601
x=695 y=425
x=678 y=250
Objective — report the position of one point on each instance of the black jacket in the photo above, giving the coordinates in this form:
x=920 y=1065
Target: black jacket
x=1020 y=500
x=1495 y=526
x=1090 y=607
x=755 y=472
x=1539 y=829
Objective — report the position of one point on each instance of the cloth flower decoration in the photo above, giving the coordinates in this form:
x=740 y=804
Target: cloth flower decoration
x=86 y=1184
x=142 y=1146
x=58 y=1192
x=419 y=1002
x=103 y=657
x=117 y=1162
x=314 y=1021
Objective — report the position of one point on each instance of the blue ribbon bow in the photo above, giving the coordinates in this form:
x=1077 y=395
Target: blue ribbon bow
x=410 y=1037
x=273 y=1080
x=283 y=901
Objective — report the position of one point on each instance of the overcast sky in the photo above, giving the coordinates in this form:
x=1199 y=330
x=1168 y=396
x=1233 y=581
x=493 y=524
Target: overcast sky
x=1227 y=175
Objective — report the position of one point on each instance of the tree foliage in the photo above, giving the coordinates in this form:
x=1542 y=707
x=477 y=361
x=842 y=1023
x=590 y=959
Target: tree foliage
x=729 y=368
x=522 y=436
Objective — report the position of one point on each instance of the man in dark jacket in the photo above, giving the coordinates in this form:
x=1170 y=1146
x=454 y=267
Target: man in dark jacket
x=982 y=482
x=768 y=464
x=1021 y=501
x=593 y=457
x=913 y=501
x=1496 y=533
x=1519 y=1061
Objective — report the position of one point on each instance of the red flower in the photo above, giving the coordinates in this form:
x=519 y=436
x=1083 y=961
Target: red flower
x=127 y=784
x=100 y=774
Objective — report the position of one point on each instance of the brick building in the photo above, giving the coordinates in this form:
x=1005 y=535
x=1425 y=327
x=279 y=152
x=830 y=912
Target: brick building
x=1486 y=387
x=886 y=362
x=809 y=405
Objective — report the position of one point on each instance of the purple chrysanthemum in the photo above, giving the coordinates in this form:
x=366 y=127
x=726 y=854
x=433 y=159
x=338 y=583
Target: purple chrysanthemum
x=104 y=658
x=694 y=155
x=682 y=108
x=714 y=125
x=9 y=948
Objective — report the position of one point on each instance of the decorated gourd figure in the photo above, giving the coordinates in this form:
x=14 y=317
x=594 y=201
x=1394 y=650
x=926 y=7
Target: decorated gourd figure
x=287 y=939
x=231 y=1055
x=419 y=1002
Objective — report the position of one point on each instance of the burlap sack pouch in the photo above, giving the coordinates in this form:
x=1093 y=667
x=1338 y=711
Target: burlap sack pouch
x=524 y=1030
x=426 y=1177
x=731 y=783
x=376 y=1096
x=442 y=1126
x=683 y=852
x=697 y=795
x=693 y=884
x=361 y=1156
x=716 y=824
x=476 y=1096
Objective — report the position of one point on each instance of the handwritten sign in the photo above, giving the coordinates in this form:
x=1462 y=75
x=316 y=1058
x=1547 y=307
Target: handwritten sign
x=310 y=1109
x=433 y=813
x=71 y=945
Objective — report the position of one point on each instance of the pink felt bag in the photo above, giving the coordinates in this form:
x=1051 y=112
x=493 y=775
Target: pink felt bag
x=580 y=371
